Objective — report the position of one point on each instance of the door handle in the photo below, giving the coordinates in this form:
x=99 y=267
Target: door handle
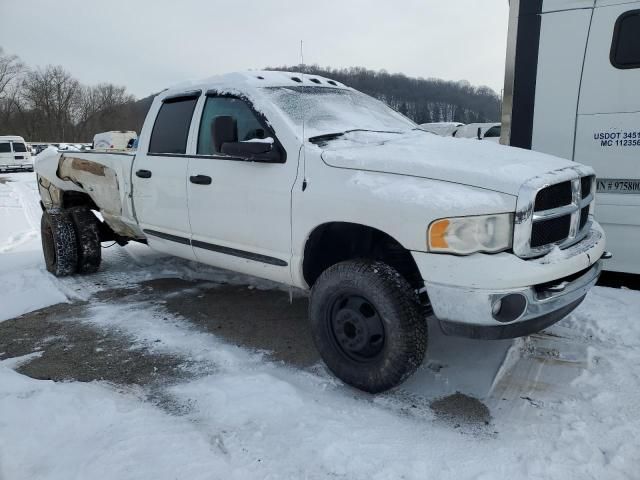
x=200 y=179
x=143 y=173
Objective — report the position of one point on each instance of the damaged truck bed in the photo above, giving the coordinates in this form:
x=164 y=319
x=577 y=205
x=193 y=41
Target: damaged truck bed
x=67 y=178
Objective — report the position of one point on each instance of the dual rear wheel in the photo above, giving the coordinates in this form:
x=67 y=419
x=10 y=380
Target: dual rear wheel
x=71 y=241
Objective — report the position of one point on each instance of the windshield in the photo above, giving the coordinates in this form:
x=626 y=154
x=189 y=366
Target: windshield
x=333 y=110
x=493 y=132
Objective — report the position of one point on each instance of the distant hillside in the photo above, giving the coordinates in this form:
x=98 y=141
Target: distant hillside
x=49 y=104
x=422 y=100
x=138 y=112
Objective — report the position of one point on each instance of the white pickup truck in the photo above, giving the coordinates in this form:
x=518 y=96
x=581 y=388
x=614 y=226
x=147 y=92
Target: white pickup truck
x=302 y=180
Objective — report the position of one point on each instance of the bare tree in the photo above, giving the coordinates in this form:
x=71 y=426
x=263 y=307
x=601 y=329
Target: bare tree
x=10 y=70
x=102 y=107
x=54 y=95
x=48 y=104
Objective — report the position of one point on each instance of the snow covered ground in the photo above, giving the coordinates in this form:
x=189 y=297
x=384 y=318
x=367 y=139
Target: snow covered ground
x=562 y=404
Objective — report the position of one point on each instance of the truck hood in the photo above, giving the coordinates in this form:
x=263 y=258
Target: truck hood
x=420 y=154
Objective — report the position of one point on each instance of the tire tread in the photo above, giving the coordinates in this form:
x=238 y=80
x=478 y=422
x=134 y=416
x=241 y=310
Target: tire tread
x=87 y=232
x=58 y=234
x=391 y=290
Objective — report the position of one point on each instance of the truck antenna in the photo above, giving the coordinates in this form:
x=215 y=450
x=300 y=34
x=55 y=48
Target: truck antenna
x=304 y=154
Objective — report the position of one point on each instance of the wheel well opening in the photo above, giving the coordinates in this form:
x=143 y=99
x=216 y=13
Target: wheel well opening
x=72 y=199
x=78 y=199
x=337 y=242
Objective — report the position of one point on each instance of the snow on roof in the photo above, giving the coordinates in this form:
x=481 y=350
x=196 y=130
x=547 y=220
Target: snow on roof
x=252 y=85
x=250 y=80
x=11 y=138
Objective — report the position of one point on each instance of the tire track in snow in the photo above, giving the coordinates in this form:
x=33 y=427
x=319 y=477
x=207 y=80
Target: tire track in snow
x=28 y=198
x=17 y=240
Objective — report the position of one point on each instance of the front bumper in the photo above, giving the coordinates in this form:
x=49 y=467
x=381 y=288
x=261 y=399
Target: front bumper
x=547 y=288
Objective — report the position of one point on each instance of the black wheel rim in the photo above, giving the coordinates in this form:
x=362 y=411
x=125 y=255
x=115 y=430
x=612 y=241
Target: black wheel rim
x=356 y=328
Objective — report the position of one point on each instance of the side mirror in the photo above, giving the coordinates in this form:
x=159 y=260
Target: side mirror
x=224 y=136
x=257 y=150
x=224 y=129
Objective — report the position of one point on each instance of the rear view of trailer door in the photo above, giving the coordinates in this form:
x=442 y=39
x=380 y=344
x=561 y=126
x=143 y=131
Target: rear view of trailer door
x=608 y=126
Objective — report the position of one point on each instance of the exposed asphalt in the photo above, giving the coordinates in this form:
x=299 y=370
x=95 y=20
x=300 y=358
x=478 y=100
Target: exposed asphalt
x=71 y=350
x=260 y=320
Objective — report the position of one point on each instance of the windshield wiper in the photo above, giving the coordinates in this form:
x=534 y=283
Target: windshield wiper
x=326 y=137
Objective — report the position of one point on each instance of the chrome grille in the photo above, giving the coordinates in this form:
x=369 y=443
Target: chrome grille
x=554 y=196
x=550 y=231
x=555 y=209
x=586 y=184
x=584 y=217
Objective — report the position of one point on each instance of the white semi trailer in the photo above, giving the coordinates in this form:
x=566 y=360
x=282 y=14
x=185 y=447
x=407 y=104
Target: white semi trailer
x=572 y=89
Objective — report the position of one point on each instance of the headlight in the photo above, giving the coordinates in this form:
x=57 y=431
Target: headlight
x=465 y=235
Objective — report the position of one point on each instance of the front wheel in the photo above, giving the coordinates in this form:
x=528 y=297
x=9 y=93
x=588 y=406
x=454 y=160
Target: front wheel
x=367 y=324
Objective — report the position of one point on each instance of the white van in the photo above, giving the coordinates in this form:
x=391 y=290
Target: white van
x=481 y=131
x=14 y=154
x=115 y=140
x=572 y=90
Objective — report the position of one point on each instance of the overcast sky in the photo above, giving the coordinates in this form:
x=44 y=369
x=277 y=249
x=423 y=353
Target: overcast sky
x=148 y=45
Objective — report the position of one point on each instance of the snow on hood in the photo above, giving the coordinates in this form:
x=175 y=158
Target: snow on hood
x=420 y=154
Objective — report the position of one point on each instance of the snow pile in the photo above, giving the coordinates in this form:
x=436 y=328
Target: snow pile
x=24 y=283
x=26 y=289
x=76 y=431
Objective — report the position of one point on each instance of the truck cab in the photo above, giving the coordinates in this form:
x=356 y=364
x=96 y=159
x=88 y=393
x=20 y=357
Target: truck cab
x=571 y=90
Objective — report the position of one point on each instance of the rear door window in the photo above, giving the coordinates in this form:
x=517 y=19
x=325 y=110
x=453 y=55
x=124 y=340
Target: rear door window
x=171 y=129
x=5 y=147
x=625 y=51
x=19 y=147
